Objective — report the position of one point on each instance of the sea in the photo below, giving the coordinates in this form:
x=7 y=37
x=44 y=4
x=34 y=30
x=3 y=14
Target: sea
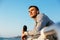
x=13 y=38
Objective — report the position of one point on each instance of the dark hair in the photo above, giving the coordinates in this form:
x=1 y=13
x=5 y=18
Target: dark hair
x=34 y=6
x=24 y=28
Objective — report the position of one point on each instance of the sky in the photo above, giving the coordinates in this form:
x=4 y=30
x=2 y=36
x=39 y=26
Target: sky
x=14 y=14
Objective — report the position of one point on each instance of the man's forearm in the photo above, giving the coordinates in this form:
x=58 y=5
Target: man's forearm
x=33 y=33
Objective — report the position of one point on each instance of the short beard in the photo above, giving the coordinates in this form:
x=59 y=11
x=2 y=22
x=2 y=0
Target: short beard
x=35 y=16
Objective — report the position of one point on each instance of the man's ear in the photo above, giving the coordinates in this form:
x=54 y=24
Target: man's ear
x=37 y=12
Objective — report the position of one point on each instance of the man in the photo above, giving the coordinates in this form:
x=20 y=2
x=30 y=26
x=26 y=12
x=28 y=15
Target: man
x=41 y=20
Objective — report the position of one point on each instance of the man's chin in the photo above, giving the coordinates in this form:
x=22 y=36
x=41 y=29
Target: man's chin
x=33 y=16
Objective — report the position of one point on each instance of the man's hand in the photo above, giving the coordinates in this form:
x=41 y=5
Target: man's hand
x=24 y=35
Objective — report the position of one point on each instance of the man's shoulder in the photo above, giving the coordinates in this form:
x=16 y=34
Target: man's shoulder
x=42 y=15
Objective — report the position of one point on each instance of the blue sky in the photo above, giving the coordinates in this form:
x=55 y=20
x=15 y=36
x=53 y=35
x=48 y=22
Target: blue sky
x=14 y=14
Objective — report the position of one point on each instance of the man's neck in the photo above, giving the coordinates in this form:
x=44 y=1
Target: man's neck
x=35 y=18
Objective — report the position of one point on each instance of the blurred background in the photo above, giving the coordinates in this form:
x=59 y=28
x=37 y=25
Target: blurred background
x=14 y=14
